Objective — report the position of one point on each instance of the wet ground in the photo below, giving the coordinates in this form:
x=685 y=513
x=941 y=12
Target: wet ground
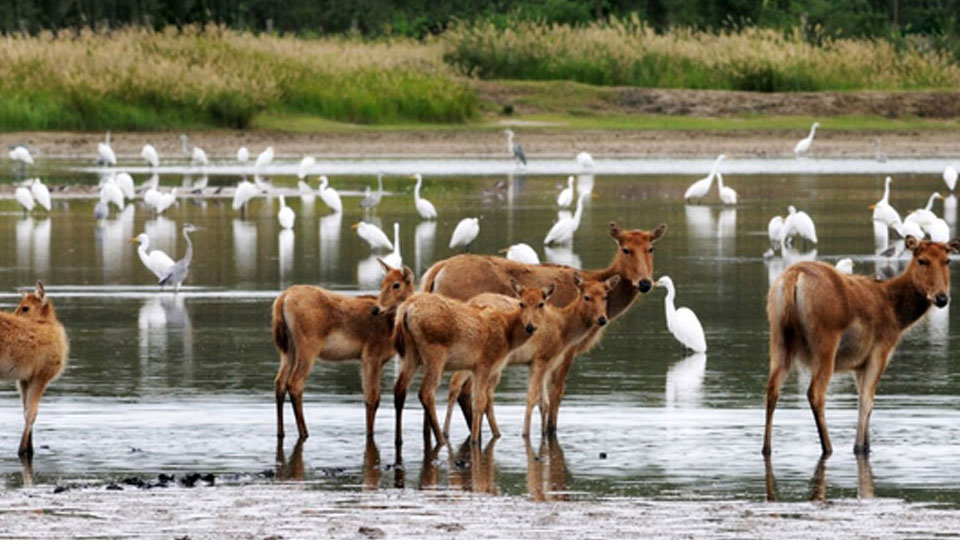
x=182 y=384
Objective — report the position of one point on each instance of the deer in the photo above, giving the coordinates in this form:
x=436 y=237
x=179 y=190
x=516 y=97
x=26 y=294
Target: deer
x=562 y=328
x=311 y=322
x=33 y=352
x=440 y=333
x=833 y=322
x=465 y=276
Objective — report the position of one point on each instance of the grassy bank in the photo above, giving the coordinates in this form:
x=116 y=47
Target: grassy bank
x=625 y=52
x=137 y=79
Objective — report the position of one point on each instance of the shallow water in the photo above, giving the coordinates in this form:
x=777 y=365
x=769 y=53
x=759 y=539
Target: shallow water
x=164 y=383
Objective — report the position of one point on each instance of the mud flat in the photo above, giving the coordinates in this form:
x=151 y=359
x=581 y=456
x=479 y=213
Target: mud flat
x=281 y=510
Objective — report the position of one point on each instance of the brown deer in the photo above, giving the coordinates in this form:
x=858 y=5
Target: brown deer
x=465 y=276
x=311 y=322
x=442 y=333
x=33 y=352
x=830 y=321
x=562 y=328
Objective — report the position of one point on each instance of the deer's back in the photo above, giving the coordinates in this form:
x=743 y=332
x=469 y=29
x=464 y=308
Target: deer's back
x=465 y=276
x=314 y=311
x=30 y=348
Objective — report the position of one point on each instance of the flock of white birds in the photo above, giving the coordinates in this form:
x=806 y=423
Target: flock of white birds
x=118 y=187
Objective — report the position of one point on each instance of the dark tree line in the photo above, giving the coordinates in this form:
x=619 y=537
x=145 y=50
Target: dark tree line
x=854 y=18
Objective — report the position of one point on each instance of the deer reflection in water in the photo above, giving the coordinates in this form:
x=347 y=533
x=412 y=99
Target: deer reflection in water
x=818 y=481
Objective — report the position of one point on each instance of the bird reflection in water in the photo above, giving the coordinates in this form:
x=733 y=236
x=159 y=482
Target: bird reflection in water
x=245 y=248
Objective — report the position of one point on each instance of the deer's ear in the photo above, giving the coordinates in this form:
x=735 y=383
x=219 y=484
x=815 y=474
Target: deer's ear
x=386 y=267
x=408 y=274
x=955 y=245
x=40 y=292
x=578 y=280
x=616 y=232
x=547 y=291
x=517 y=287
x=911 y=242
x=611 y=282
x=658 y=233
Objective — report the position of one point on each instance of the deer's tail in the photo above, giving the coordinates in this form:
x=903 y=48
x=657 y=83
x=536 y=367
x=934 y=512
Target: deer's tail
x=786 y=327
x=429 y=280
x=281 y=334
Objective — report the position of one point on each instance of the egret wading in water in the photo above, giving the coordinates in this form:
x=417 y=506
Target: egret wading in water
x=244 y=192
x=40 y=194
x=585 y=160
x=521 y=253
x=950 y=177
x=394 y=259
x=774 y=234
x=105 y=155
x=111 y=192
x=372 y=199
x=180 y=269
x=329 y=196
x=424 y=207
x=285 y=216
x=197 y=155
x=515 y=149
x=565 y=198
x=149 y=154
x=797 y=222
x=125 y=182
x=682 y=322
x=883 y=212
x=165 y=200
x=465 y=233
x=25 y=198
x=372 y=235
x=562 y=231
x=156 y=261
x=20 y=153
x=265 y=158
x=306 y=164
x=243 y=155
x=727 y=195
x=803 y=145
x=701 y=188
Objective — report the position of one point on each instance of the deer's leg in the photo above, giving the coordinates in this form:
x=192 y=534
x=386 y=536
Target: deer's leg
x=466 y=402
x=867 y=378
x=457 y=380
x=822 y=365
x=779 y=368
x=408 y=367
x=298 y=381
x=481 y=379
x=371 y=365
x=433 y=360
x=280 y=386
x=558 y=384
x=491 y=416
x=32 y=392
x=534 y=390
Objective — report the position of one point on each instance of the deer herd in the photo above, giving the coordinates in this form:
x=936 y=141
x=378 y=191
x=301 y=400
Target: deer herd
x=474 y=315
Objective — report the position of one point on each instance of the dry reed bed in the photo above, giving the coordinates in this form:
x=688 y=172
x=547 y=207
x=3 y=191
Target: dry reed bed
x=625 y=52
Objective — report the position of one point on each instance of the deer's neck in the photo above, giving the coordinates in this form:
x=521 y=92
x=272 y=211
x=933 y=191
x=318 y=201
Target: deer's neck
x=622 y=296
x=576 y=320
x=909 y=303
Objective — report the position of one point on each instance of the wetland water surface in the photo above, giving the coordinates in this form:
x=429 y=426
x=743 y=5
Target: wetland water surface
x=163 y=383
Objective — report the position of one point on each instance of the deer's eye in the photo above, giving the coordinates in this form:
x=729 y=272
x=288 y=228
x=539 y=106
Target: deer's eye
x=540 y=305
x=396 y=285
x=522 y=305
x=587 y=298
x=25 y=309
x=923 y=262
x=650 y=250
x=626 y=251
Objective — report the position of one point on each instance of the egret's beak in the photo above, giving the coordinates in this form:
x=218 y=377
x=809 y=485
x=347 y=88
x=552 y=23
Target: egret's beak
x=504 y=250
x=355 y=225
x=413 y=177
x=593 y=195
x=134 y=240
x=872 y=206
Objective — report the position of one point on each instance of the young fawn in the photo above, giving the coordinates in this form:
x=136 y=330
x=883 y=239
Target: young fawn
x=562 y=328
x=441 y=333
x=311 y=322
x=465 y=276
x=33 y=352
x=830 y=321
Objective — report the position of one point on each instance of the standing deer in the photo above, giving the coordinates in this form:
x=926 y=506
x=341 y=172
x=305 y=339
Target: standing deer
x=465 y=276
x=441 y=333
x=831 y=321
x=33 y=352
x=311 y=322
x=562 y=328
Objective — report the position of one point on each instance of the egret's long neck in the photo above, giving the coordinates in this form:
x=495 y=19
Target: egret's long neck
x=509 y=142
x=416 y=189
x=930 y=202
x=886 y=191
x=186 y=145
x=188 y=256
x=396 y=237
x=720 y=181
x=668 y=303
x=579 y=212
x=142 y=251
x=323 y=183
x=813 y=131
x=380 y=183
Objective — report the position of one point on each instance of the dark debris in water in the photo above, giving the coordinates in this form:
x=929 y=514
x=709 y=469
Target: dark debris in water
x=331 y=472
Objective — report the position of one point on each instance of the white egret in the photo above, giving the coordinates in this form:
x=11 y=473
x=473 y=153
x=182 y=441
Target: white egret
x=683 y=322
x=243 y=155
x=727 y=195
x=883 y=211
x=515 y=149
x=329 y=196
x=307 y=194
x=522 y=253
x=265 y=158
x=464 y=233
x=950 y=177
x=585 y=160
x=909 y=228
x=424 y=207
x=775 y=230
x=285 y=216
x=845 y=265
x=803 y=146
x=156 y=261
x=166 y=200
x=40 y=193
x=178 y=272
x=101 y=210
x=939 y=231
x=394 y=259
x=197 y=155
x=372 y=235
x=112 y=193
x=701 y=188
x=244 y=192
x=149 y=154
x=798 y=222
x=372 y=199
x=125 y=183
x=21 y=153
x=924 y=216
x=562 y=231
x=261 y=184
x=306 y=164
x=105 y=155
x=151 y=197
x=25 y=198
x=565 y=198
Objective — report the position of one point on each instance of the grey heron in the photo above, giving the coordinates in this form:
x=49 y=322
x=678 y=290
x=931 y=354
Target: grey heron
x=515 y=148
x=181 y=268
x=372 y=199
